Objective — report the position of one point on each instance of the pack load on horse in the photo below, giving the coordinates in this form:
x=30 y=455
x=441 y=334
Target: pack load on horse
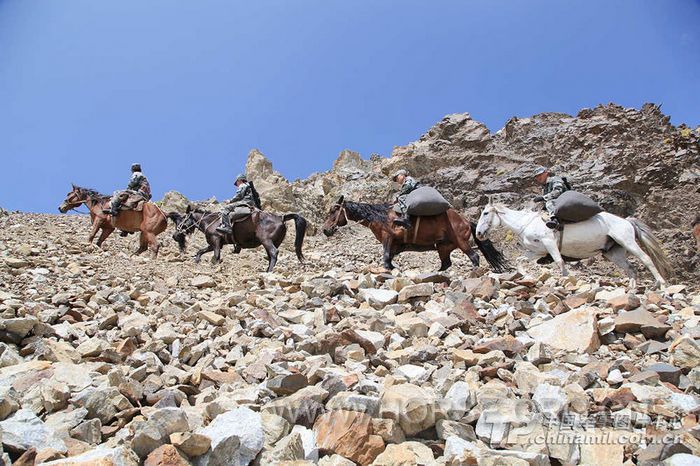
x=696 y=230
x=255 y=229
x=552 y=187
x=573 y=206
x=149 y=220
x=242 y=204
x=442 y=233
x=136 y=194
x=604 y=233
x=415 y=199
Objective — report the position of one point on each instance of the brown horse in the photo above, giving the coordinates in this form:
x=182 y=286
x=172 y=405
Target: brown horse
x=696 y=230
x=442 y=233
x=150 y=221
x=260 y=228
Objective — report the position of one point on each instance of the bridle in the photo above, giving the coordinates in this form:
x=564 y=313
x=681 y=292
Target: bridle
x=75 y=203
x=197 y=223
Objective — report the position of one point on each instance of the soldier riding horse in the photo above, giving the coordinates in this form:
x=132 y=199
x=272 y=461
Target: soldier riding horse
x=150 y=221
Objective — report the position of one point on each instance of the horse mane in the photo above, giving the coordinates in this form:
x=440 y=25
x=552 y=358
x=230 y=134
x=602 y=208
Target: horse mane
x=369 y=212
x=92 y=193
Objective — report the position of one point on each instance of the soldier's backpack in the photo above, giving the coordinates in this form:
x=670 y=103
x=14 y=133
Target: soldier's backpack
x=256 y=196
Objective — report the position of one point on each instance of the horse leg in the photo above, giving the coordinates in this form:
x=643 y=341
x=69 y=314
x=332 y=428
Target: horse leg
x=553 y=250
x=445 y=261
x=636 y=251
x=474 y=257
x=618 y=256
x=198 y=255
x=217 y=251
x=462 y=241
x=272 y=252
x=93 y=232
x=143 y=244
x=388 y=257
x=153 y=244
x=106 y=231
x=627 y=240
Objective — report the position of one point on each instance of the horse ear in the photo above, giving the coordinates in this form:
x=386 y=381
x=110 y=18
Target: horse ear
x=340 y=200
x=73 y=185
x=189 y=209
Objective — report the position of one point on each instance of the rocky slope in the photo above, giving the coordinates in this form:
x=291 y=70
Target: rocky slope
x=110 y=359
x=113 y=360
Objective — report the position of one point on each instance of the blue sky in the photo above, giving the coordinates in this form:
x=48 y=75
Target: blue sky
x=188 y=88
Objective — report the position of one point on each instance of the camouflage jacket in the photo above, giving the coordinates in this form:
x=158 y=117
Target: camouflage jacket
x=409 y=184
x=553 y=188
x=139 y=182
x=244 y=195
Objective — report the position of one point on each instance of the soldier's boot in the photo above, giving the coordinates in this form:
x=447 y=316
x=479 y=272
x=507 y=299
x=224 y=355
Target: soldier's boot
x=225 y=226
x=553 y=223
x=113 y=209
x=403 y=221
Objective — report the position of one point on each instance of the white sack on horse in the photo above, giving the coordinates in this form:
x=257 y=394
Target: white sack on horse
x=573 y=206
x=426 y=201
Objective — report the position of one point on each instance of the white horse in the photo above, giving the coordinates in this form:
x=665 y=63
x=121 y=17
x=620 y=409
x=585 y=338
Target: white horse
x=603 y=233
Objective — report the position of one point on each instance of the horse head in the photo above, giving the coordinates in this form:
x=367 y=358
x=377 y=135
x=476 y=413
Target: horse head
x=73 y=199
x=489 y=219
x=184 y=226
x=337 y=217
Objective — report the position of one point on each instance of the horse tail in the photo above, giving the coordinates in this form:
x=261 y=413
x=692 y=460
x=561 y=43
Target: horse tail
x=651 y=245
x=300 y=229
x=493 y=256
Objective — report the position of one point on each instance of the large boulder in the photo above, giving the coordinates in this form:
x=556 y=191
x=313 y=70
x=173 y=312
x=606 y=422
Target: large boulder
x=576 y=331
x=236 y=438
x=348 y=433
x=411 y=406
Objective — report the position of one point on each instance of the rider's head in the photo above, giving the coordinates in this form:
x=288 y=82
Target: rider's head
x=541 y=174
x=240 y=179
x=400 y=176
x=135 y=167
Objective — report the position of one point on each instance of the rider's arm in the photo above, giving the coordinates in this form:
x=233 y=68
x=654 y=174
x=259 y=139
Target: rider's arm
x=557 y=189
x=407 y=186
x=240 y=194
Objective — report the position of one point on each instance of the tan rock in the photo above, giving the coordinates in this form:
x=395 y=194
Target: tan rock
x=405 y=454
x=576 y=330
x=411 y=406
x=190 y=443
x=349 y=434
x=167 y=455
x=685 y=353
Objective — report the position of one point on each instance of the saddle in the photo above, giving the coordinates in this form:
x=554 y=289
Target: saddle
x=240 y=213
x=131 y=201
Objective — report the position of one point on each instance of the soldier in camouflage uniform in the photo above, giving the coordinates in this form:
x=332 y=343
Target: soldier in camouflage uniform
x=138 y=184
x=243 y=198
x=552 y=186
x=408 y=184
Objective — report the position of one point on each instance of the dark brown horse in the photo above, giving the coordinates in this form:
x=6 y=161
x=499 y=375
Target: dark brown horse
x=442 y=233
x=260 y=228
x=150 y=221
x=696 y=230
